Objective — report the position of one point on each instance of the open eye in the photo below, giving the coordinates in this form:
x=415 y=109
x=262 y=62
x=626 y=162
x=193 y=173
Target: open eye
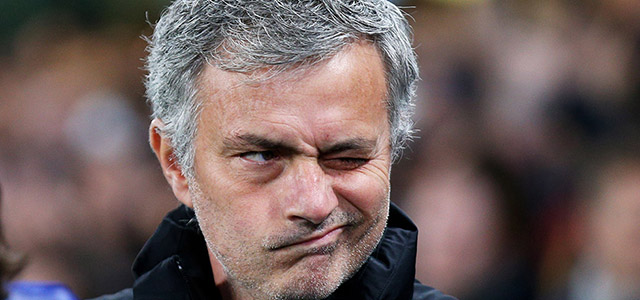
x=259 y=156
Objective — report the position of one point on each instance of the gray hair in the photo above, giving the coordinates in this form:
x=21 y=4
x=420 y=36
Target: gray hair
x=277 y=35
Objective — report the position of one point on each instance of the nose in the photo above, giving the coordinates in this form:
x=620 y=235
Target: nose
x=310 y=197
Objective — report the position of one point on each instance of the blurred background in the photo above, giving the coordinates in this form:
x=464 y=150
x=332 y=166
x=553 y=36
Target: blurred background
x=524 y=180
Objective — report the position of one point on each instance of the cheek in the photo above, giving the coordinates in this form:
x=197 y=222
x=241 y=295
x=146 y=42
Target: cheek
x=366 y=190
x=230 y=196
x=232 y=213
x=233 y=229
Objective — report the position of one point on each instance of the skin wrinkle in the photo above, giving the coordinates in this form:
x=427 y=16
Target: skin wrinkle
x=278 y=50
x=249 y=212
x=296 y=65
x=315 y=155
x=336 y=219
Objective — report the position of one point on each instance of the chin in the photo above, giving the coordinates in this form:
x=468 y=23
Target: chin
x=309 y=287
x=314 y=277
x=319 y=276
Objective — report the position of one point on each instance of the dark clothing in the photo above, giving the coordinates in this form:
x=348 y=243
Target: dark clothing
x=174 y=264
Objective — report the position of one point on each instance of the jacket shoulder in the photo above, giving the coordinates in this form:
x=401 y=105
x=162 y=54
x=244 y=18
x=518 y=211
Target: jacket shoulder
x=423 y=292
x=126 y=294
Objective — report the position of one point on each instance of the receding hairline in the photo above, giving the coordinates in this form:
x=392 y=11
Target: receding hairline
x=191 y=34
x=290 y=71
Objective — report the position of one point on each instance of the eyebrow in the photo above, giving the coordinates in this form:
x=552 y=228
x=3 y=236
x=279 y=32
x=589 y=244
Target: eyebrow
x=253 y=140
x=361 y=144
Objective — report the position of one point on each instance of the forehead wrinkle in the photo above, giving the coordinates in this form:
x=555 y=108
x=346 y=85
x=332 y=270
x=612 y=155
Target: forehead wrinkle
x=216 y=86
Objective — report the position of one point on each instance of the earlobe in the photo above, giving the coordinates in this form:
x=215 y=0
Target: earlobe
x=172 y=171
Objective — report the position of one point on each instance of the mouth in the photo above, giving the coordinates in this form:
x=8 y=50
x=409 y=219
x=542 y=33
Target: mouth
x=324 y=239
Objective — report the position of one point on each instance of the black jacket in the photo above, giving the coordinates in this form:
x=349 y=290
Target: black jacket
x=174 y=264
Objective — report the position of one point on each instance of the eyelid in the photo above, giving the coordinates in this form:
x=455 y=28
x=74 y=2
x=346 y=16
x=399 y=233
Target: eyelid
x=349 y=154
x=345 y=163
x=264 y=160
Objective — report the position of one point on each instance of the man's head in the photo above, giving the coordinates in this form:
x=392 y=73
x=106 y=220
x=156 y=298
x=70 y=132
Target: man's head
x=245 y=36
x=277 y=121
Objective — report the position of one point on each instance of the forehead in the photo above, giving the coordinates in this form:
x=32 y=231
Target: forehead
x=349 y=87
x=360 y=63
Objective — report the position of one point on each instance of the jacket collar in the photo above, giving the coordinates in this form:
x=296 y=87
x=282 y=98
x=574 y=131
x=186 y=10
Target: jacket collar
x=174 y=263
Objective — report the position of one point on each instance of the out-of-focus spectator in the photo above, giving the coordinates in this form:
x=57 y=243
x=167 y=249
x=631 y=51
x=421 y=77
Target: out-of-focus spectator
x=608 y=263
x=81 y=187
x=536 y=85
x=10 y=262
x=470 y=233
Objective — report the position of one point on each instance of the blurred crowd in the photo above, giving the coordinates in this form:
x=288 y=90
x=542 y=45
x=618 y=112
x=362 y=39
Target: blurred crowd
x=524 y=178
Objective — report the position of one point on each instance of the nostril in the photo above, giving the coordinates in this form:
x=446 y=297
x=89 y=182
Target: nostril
x=316 y=211
x=305 y=223
x=313 y=206
x=310 y=194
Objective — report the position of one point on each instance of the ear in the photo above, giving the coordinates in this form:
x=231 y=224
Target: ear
x=161 y=146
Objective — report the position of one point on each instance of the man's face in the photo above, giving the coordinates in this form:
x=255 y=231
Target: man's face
x=293 y=174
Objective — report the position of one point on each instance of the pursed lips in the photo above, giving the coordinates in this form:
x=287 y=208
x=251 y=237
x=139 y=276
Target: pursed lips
x=320 y=239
